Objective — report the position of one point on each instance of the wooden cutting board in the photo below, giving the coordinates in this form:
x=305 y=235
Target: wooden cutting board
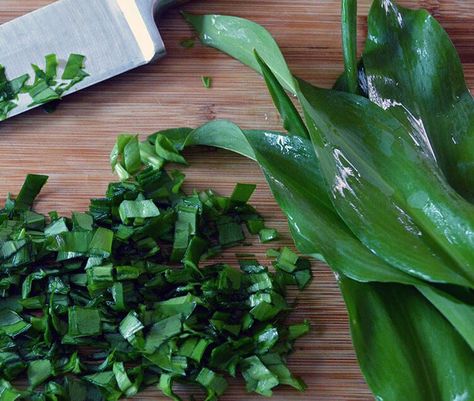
x=72 y=145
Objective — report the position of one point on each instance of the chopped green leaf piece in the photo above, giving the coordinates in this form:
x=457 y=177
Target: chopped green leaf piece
x=162 y=331
x=82 y=221
x=123 y=381
x=213 y=383
x=74 y=67
x=206 y=82
x=83 y=322
x=166 y=386
x=187 y=43
x=230 y=233
x=242 y=192
x=7 y=392
x=141 y=209
x=29 y=191
x=277 y=366
x=165 y=149
x=130 y=326
x=257 y=376
x=101 y=242
x=11 y=323
x=287 y=260
x=266 y=339
x=255 y=225
x=298 y=330
x=194 y=348
x=39 y=371
x=267 y=235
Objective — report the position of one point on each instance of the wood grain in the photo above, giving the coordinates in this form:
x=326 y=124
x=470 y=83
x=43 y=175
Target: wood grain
x=72 y=145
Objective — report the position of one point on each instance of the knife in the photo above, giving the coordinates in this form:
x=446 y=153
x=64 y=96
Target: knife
x=115 y=36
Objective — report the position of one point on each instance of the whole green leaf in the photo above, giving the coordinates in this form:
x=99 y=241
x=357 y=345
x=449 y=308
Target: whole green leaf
x=414 y=71
x=239 y=38
x=292 y=121
x=406 y=349
x=375 y=161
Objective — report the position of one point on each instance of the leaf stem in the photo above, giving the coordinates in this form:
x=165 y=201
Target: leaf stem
x=349 y=42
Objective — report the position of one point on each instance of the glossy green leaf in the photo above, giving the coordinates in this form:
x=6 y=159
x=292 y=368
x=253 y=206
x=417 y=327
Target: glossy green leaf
x=292 y=121
x=414 y=71
x=406 y=349
x=239 y=38
x=375 y=160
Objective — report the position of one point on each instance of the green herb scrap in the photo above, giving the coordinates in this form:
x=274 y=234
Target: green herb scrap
x=206 y=82
x=9 y=91
x=45 y=88
x=187 y=43
x=105 y=303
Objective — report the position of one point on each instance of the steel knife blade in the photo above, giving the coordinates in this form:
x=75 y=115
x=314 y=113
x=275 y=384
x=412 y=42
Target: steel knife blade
x=115 y=36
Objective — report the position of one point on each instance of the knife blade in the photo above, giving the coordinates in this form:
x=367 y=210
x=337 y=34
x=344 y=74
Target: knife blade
x=115 y=36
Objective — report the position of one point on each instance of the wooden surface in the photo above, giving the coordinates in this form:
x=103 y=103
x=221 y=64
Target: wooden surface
x=73 y=144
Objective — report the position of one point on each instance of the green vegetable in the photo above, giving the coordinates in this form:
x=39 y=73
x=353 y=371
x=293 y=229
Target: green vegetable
x=141 y=209
x=206 y=82
x=30 y=190
x=258 y=377
x=292 y=121
x=105 y=303
x=45 y=88
x=187 y=43
x=9 y=91
x=83 y=322
x=423 y=86
x=399 y=181
x=397 y=319
x=268 y=234
x=39 y=371
x=359 y=156
x=349 y=43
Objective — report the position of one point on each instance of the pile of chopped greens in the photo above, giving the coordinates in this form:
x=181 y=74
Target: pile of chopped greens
x=376 y=179
x=45 y=88
x=102 y=304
